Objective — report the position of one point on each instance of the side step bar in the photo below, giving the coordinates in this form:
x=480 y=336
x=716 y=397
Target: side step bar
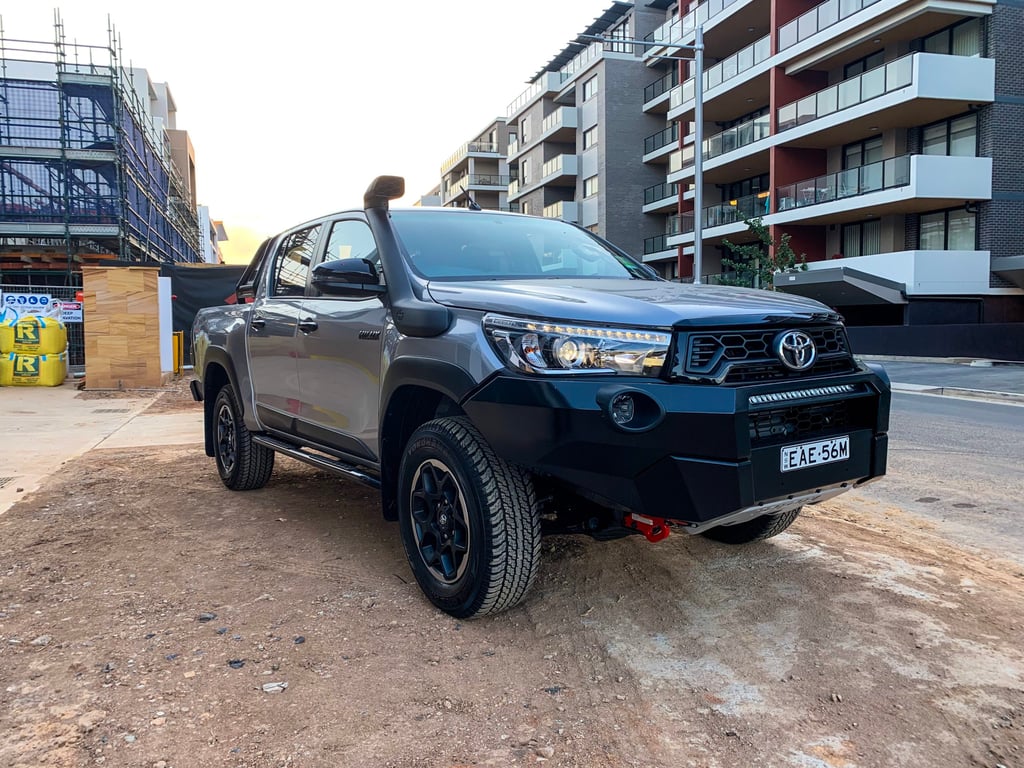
x=321 y=462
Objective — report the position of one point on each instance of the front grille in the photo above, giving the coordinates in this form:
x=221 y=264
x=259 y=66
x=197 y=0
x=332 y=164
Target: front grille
x=747 y=356
x=787 y=424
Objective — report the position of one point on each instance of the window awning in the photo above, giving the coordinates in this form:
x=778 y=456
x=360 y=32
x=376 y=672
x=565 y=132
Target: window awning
x=842 y=287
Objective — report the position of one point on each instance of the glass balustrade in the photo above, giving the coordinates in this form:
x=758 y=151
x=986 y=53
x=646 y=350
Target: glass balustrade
x=660 y=86
x=873 y=177
x=661 y=139
x=818 y=18
x=660 y=192
x=848 y=93
x=723 y=71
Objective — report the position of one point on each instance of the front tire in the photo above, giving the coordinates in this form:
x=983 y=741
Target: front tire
x=468 y=519
x=758 y=529
x=242 y=464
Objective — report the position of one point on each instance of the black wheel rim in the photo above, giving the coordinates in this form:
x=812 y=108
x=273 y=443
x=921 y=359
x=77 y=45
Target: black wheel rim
x=227 y=445
x=440 y=523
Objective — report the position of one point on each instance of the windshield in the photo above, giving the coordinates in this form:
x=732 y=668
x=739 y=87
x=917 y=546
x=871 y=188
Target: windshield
x=482 y=246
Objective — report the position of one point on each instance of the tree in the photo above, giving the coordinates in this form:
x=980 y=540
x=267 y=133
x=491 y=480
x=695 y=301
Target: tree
x=756 y=264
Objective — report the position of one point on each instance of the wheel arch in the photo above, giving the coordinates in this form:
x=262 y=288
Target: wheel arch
x=217 y=372
x=415 y=391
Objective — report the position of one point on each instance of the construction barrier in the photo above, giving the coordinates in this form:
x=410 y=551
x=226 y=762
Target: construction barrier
x=33 y=370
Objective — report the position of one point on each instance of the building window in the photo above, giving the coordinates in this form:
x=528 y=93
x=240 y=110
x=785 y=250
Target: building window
x=948 y=231
x=590 y=88
x=524 y=173
x=962 y=39
x=524 y=208
x=619 y=32
x=861 y=66
x=746 y=187
x=590 y=137
x=590 y=186
x=524 y=129
x=862 y=153
x=761 y=112
x=594 y=228
x=862 y=239
x=958 y=136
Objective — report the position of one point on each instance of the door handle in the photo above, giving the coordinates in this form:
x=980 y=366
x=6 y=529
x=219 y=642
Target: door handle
x=258 y=323
x=308 y=325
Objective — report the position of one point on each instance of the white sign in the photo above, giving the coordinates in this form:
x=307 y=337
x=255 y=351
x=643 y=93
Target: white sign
x=18 y=305
x=70 y=311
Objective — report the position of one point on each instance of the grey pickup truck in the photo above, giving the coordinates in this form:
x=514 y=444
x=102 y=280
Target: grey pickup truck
x=500 y=376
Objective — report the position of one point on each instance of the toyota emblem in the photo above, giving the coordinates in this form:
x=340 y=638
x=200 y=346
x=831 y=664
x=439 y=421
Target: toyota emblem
x=795 y=349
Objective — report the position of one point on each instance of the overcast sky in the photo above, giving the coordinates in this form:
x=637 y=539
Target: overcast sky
x=294 y=107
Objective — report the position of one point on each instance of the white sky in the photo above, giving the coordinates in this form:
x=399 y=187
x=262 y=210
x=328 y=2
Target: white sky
x=294 y=107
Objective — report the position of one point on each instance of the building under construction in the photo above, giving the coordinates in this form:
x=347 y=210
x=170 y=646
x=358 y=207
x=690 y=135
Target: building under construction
x=92 y=167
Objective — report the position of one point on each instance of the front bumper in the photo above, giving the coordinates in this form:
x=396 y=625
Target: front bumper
x=712 y=458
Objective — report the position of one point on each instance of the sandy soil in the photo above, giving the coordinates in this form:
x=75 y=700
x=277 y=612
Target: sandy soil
x=144 y=608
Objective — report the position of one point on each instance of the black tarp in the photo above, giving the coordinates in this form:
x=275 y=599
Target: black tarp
x=198 y=286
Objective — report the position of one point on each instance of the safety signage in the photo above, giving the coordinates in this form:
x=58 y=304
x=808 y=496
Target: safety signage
x=70 y=311
x=17 y=305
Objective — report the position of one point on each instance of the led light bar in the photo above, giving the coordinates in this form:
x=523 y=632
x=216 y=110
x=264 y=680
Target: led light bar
x=800 y=394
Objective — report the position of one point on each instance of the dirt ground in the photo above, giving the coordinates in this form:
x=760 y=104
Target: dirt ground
x=144 y=609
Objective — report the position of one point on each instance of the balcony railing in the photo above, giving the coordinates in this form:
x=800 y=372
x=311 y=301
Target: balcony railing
x=674 y=30
x=488 y=180
x=579 y=61
x=818 y=18
x=465 y=149
x=555 y=166
x=729 y=212
x=661 y=139
x=660 y=86
x=655 y=244
x=513 y=187
x=849 y=93
x=724 y=70
x=873 y=177
x=660 y=192
x=563 y=209
x=737 y=136
x=513 y=147
x=562 y=115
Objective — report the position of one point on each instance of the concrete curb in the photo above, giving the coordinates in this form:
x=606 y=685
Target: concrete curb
x=974 y=394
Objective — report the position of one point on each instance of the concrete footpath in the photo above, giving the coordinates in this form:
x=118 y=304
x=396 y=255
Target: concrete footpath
x=45 y=427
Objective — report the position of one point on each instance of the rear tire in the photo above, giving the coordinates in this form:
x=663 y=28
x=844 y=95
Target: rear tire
x=468 y=519
x=242 y=464
x=758 y=529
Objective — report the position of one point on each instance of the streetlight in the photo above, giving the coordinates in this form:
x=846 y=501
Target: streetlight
x=698 y=130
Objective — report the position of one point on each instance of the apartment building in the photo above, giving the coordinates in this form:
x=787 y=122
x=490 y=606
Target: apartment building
x=881 y=135
x=92 y=164
x=478 y=170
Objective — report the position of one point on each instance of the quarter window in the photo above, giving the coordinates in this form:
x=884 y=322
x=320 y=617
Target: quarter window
x=291 y=269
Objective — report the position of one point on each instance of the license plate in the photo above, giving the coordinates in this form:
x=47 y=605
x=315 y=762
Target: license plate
x=812 y=454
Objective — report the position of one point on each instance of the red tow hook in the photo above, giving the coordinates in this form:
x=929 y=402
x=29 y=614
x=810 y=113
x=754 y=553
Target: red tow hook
x=654 y=528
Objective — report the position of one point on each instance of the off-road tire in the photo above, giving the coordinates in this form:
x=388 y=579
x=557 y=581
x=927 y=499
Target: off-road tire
x=242 y=464
x=449 y=471
x=759 y=528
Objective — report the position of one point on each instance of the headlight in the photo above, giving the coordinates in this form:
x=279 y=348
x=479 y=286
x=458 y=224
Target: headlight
x=536 y=346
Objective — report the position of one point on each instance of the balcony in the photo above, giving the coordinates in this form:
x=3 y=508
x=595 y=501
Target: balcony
x=897 y=185
x=917 y=273
x=661 y=197
x=912 y=90
x=731 y=213
x=560 y=170
x=657 y=245
x=681 y=29
x=729 y=68
x=560 y=125
x=655 y=93
x=720 y=144
x=470 y=148
x=566 y=210
x=513 y=188
x=659 y=145
x=547 y=82
x=818 y=18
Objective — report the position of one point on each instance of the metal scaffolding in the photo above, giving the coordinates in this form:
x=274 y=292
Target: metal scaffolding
x=83 y=169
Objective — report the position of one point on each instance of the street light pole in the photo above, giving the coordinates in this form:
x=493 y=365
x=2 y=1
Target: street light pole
x=698 y=129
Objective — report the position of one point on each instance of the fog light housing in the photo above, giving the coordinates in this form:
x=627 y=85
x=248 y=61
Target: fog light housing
x=630 y=410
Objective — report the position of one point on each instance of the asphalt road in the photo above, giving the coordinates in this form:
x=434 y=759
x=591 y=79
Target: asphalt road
x=959 y=463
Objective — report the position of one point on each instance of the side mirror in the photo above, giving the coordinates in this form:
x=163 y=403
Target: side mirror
x=245 y=292
x=348 y=277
